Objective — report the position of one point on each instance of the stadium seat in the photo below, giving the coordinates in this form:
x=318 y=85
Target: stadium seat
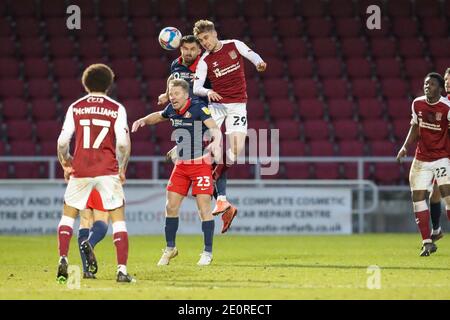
x=155 y=88
x=416 y=86
x=32 y=47
x=241 y=172
x=43 y=109
x=70 y=89
x=65 y=68
x=375 y=129
x=294 y=48
x=27 y=28
x=311 y=109
x=36 y=68
x=411 y=47
x=128 y=88
x=399 y=8
x=359 y=68
x=232 y=28
x=4 y=170
x=348 y=27
x=351 y=148
x=401 y=128
x=144 y=170
x=439 y=47
x=370 y=109
x=297 y=170
x=364 y=88
x=139 y=8
x=326 y=170
x=261 y=27
x=329 y=67
x=340 y=109
x=89 y=7
x=115 y=28
x=417 y=67
x=353 y=47
x=259 y=124
x=154 y=68
x=305 y=88
x=10 y=68
x=40 y=88
x=22 y=148
x=435 y=28
x=143 y=28
x=394 y=88
x=110 y=8
x=383 y=148
x=399 y=108
x=387 y=173
x=143 y=148
x=52 y=9
x=225 y=9
x=321 y=148
x=52 y=27
x=289 y=129
x=8 y=47
x=119 y=48
x=383 y=48
x=143 y=134
x=300 y=68
x=351 y=171
x=283 y=10
x=318 y=27
x=427 y=9
x=135 y=109
x=147 y=49
x=61 y=47
x=253 y=89
x=335 y=88
x=197 y=9
x=316 y=130
x=124 y=68
x=90 y=47
x=324 y=47
x=441 y=64
x=11 y=88
x=275 y=88
x=48 y=130
x=405 y=27
x=311 y=8
x=256 y=109
x=14 y=109
x=266 y=47
x=281 y=109
x=345 y=130
x=388 y=68
x=292 y=148
x=341 y=8
x=5 y=28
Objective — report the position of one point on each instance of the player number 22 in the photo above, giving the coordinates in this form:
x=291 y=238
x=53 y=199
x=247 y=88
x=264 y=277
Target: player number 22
x=441 y=172
x=203 y=181
x=86 y=124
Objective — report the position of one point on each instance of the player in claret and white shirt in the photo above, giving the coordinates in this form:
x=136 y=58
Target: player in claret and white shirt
x=430 y=128
x=223 y=65
x=102 y=151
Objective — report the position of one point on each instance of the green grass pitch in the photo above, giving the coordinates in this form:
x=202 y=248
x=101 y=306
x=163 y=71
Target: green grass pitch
x=244 y=267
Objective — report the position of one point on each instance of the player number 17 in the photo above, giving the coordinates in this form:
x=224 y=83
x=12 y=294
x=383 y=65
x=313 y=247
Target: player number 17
x=86 y=124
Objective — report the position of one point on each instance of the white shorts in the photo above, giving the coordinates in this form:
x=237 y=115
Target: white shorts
x=422 y=174
x=109 y=187
x=234 y=115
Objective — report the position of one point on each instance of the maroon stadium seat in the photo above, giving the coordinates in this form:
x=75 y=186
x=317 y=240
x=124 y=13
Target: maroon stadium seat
x=168 y=9
x=405 y=27
x=266 y=47
x=241 y=172
x=387 y=173
x=19 y=130
x=232 y=28
x=289 y=129
x=23 y=170
x=370 y=108
x=62 y=47
x=88 y=6
x=163 y=132
x=353 y=47
x=401 y=128
x=335 y=88
x=383 y=48
x=399 y=108
x=128 y=88
x=411 y=47
x=7 y=48
x=375 y=129
x=143 y=148
x=2 y=152
x=439 y=47
x=300 y=68
x=70 y=89
x=276 y=69
x=9 y=67
x=329 y=67
x=11 y=88
x=321 y=148
x=124 y=68
x=399 y=8
x=143 y=134
x=441 y=64
x=135 y=109
x=290 y=148
x=256 y=110
x=14 y=108
x=364 y=88
x=351 y=148
x=144 y=170
x=416 y=86
x=362 y=5
x=281 y=109
x=427 y=9
x=110 y=8
x=259 y=124
x=40 y=88
x=324 y=47
x=53 y=9
x=155 y=68
x=90 y=28
x=254 y=9
x=36 y=68
x=294 y=48
x=388 y=68
x=297 y=170
x=341 y=8
x=359 y=68
x=305 y=88
x=311 y=8
x=226 y=9
x=27 y=28
x=22 y=8
x=143 y=28
x=351 y=170
x=147 y=49
x=48 y=130
x=47 y=148
x=261 y=27
x=119 y=48
x=91 y=47
x=65 y=68
x=43 y=109
x=345 y=129
x=253 y=89
x=326 y=171
x=197 y=9
x=32 y=47
x=383 y=148
x=316 y=130
x=318 y=27
x=394 y=88
x=155 y=88
x=275 y=88
x=435 y=28
x=340 y=109
x=283 y=9
x=139 y=8
x=115 y=28
x=311 y=109
x=417 y=67
x=348 y=27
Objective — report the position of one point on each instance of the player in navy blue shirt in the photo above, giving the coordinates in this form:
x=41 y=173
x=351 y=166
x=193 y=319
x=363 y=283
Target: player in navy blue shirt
x=192 y=121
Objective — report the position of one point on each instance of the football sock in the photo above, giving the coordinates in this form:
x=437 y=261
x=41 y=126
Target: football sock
x=83 y=234
x=120 y=236
x=208 y=234
x=423 y=219
x=122 y=268
x=98 y=232
x=65 y=230
x=435 y=213
x=221 y=184
x=436 y=231
x=171 y=231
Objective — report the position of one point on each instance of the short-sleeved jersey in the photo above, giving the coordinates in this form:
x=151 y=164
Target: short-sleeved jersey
x=433 y=121
x=189 y=127
x=226 y=72
x=98 y=122
x=180 y=71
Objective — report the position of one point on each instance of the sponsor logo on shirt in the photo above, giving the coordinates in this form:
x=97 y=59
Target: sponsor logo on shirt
x=221 y=72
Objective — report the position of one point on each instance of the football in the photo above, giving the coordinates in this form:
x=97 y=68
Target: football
x=169 y=38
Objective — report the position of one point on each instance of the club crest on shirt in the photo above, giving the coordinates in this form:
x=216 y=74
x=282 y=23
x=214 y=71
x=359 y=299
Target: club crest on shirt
x=232 y=54
x=438 y=116
x=187 y=115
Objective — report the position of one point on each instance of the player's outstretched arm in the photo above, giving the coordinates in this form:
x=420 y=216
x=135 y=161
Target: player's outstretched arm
x=251 y=55
x=412 y=136
x=151 y=119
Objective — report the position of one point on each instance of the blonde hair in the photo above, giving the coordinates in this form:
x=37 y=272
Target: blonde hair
x=203 y=26
x=180 y=83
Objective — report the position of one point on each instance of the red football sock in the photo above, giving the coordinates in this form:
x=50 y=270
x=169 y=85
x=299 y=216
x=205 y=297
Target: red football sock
x=121 y=243
x=423 y=222
x=64 y=236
